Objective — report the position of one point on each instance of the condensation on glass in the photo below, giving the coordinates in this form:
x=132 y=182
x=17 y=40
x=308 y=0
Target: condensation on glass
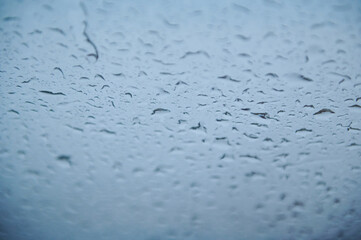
x=180 y=120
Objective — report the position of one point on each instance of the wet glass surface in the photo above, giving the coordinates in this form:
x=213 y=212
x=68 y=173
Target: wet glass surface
x=180 y=120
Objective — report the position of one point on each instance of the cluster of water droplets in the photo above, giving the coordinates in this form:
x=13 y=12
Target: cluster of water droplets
x=180 y=119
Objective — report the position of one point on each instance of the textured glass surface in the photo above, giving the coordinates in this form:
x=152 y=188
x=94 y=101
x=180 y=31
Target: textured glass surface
x=202 y=120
